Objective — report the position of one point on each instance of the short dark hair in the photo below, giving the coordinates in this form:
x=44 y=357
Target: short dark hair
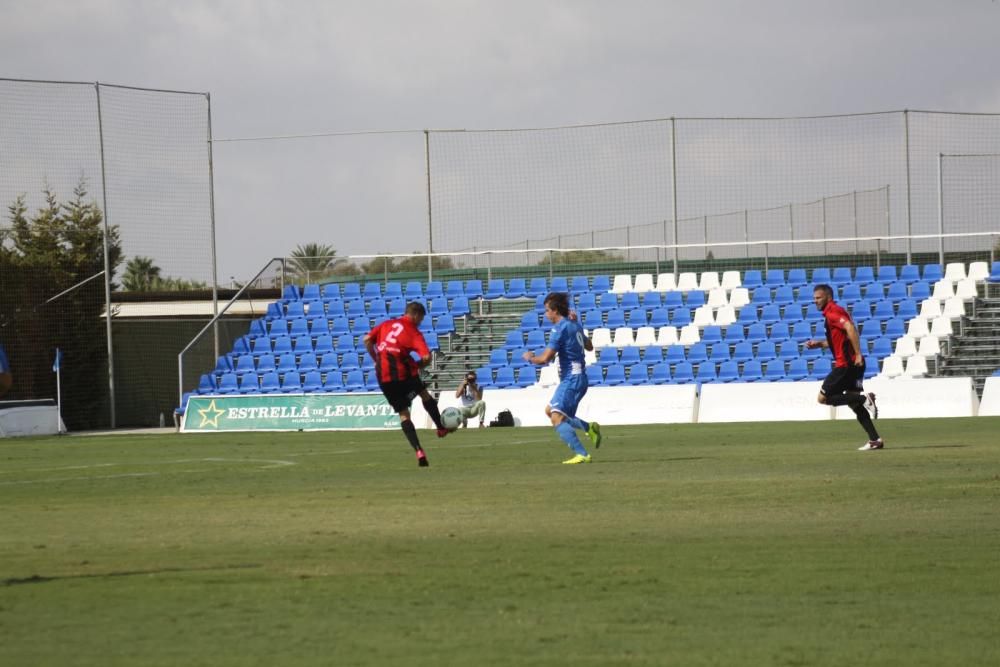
x=559 y=302
x=416 y=308
x=470 y=375
x=823 y=287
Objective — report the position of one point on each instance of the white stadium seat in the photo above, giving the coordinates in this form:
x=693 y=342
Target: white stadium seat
x=666 y=336
x=966 y=289
x=703 y=316
x=643 y=283
x=623 y=337
x=916 y=366
x=709 y=280
x=941 y=327
x=929 y=346
x=645 y=336
x=906 y=346
x=953 y=308
x=725 y=316
x=665 y=283
x=892 y=366
x=731 y=280
x=979 y=271
x=917 y=327
x=689 y=335
x=687 y=281
x=930 y=308
x=717 y=297
x=601 y=337
x=954 y=271
x=739 y=297
x=943 y=289
x=622 y=283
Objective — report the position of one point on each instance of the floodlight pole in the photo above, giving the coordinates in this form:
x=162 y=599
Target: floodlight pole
x=107 y=260
x=430 y=218
x=673 y=178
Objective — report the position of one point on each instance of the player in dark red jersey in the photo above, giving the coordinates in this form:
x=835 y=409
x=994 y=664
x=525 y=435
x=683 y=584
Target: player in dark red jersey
x=843 y=385
x=390 y=344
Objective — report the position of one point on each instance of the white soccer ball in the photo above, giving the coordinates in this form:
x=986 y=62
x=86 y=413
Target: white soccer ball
x=451 y=418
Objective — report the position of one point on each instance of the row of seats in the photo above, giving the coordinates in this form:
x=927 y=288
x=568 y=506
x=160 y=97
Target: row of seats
x=440 y=324
x=289 y=382
x=290 y=362
x=375 y=308
x=321 y=345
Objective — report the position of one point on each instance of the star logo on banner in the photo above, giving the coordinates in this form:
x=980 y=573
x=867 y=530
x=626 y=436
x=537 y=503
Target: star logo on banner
x=212 y=420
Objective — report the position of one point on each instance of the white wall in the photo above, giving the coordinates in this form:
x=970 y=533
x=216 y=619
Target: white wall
x=739 y=402
x=990 y=407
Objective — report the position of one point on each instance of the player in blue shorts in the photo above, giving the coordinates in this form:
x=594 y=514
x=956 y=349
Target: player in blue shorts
x=570 y=344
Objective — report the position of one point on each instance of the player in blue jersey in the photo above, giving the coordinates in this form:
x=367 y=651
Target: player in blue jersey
x=570 y=344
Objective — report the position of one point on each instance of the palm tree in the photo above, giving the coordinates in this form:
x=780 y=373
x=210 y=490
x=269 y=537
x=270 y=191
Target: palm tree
x=140 y=274
x=311 y=261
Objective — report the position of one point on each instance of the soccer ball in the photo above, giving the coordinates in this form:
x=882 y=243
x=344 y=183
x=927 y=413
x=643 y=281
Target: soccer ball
x=451 y=418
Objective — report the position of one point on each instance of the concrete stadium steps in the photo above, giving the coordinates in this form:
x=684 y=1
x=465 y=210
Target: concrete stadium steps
x=975 y=350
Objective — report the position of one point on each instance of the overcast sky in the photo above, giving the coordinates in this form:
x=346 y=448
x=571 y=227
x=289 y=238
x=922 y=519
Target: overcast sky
x=298 y=67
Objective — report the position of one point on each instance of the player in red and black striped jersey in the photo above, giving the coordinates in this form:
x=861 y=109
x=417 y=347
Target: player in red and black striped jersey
x=843 y=386
x=390 y=345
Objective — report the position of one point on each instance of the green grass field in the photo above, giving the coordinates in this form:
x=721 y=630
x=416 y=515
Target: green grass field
x=739 y=544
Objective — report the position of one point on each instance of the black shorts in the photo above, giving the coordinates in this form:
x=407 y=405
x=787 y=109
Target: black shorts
x=401 y=393
x=843 y=379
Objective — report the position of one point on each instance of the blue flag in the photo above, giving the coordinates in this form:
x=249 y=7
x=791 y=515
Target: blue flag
x=58 y=362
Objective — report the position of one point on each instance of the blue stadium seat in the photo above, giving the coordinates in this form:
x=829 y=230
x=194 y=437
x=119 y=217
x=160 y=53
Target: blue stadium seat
x=595 y=375
x=291 y=382
x=796 y=277
x=516 y=289
x=774 y=370
x=628 y=300
x=784 y=295
x=694 y=298
x=514 y=340
x=766 y=351
x=638 y=374
x=615 y=375
x=680 y=317
x=473 y=289
x=591 y=319
x=579 y=285
x=743 y=351
x=498 y=358
x=504 y=377
x=674 y=354
x=636 y=318
x=349 y=361
x=909 y=273
x=537 y=287
x=607 y=301
x=712 y=333
x=881 y=347
x=697 y=353
x=705 y=372
x=333 y=382
x=887 y=274
x=434 y=289
x=994 y=276
x=870 y=329
x=371 y=380
x=586 y=301
x=861 y=311
x=788 y=350
x=413 y=291
x=897 y=290
x=798 y=369
x=752 y=371
x=331 y=291
x=600 y=283
x=849 y=293
x=770 y=314
x=920 y=290
x=291 y=293
x=760 y=296
x=659 y=317
x=884 y=310
x=615 y=319
x=734 y=333
x=558 y=284
x=775 y=277
x=629 y=355
x=265 y=363
x=354 y=380
x=864 y=275
x=683 y=373
x=659 y=373
x=651 y=300
x=393 y=290
x=525 y=376
x=206 y=384
x=873 y=292
x=820 y=368
x=652 y=354
x=270 y=383
x=931 y=273
x=535 y=339
x=719 y=353
x=673 y=299
x=371 y=291
x=495 y=289
x=249 y=384
x=821 y=275
x=756 y=332
x=444 y=324
x=313 y=382
x=906 y=309
x=607 y=356
x=801 y=332
x=454 y=288
x=792 y=313
x=729 y=371
x=308 y=362
x=752 y=279
x=244 y=365
x=841 y=276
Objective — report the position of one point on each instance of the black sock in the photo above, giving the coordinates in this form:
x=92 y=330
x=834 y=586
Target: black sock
x=865 y=420
x=411 y=434
x=431 y=406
